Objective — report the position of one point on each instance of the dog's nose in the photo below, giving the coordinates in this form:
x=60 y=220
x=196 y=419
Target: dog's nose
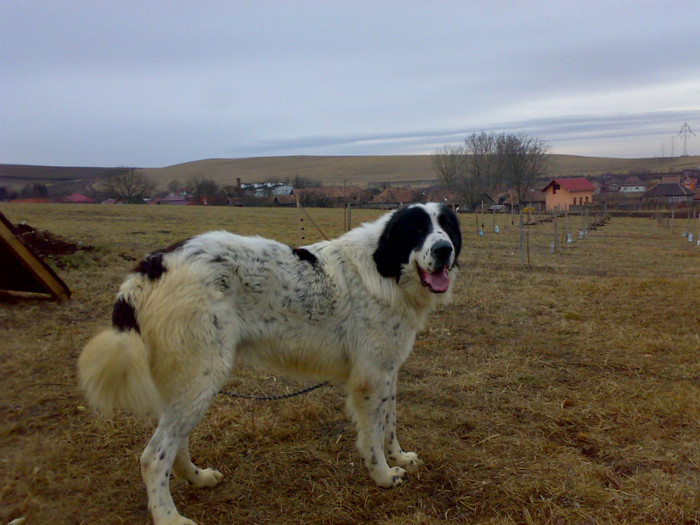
x=441 y=251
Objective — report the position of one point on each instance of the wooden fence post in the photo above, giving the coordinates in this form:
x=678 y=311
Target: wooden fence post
x=522 y=238
x=300 y=222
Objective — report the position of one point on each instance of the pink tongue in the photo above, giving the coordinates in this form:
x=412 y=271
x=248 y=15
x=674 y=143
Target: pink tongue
x=439 y=281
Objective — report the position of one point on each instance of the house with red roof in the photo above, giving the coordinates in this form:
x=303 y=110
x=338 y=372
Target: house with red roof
x=689 y=182
x=669 y=194
x=330 y=195
x=76 y=198
x=563 y=193
x=397 y=196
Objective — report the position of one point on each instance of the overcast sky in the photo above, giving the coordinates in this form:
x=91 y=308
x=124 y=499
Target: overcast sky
x=154 y=83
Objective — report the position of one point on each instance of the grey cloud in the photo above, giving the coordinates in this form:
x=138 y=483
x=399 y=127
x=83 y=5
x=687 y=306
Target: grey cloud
x=162 y=82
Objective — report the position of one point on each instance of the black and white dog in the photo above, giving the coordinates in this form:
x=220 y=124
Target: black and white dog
x=345 y=310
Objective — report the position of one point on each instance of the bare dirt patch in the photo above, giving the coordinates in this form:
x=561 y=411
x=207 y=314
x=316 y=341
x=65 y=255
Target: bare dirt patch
x=47 y=244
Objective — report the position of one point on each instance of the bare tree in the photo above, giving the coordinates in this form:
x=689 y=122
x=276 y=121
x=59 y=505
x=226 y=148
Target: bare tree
x=299 y=181
x=488 y=161
x=481 y=159
x=481 y=171
x=205 y=188
x=522 y=159
x=129 y=185
x=448 y=163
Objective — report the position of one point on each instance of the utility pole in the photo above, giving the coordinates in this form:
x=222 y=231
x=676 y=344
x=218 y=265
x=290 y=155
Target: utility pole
x=684 y=132
x=673 y=146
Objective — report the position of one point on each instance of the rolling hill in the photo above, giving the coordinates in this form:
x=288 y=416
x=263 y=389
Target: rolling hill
x=329 y=170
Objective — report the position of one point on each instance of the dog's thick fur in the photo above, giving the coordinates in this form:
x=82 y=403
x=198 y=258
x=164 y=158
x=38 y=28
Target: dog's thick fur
x=345 y=310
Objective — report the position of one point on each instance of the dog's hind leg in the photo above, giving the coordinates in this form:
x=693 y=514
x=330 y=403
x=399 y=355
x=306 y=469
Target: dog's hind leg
x=156 y=460
x=184 y=469
x=168 y=446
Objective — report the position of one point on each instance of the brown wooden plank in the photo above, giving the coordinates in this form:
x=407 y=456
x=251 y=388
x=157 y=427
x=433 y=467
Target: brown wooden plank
x=38 y=269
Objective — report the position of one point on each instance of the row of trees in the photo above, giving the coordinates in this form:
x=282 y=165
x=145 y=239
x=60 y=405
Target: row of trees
x=28 y=191
x=131 y=185
x=128 y=185
x=491 y=160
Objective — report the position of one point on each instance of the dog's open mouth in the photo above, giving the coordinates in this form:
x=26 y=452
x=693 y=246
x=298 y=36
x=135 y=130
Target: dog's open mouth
x=437 y=282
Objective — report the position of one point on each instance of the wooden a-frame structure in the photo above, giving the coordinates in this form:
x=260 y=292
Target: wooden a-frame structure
x=21 y=270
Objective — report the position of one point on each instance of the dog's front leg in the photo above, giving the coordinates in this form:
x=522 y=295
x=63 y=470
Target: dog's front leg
x=368 y=402
x=408 y=460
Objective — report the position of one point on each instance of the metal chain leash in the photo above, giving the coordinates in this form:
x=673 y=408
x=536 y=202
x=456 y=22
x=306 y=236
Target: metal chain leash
x=278 y=397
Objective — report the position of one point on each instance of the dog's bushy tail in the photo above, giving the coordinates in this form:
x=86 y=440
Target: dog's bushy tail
x=114 y=372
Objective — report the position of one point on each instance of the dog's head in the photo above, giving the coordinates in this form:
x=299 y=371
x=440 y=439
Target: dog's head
x=424 y=239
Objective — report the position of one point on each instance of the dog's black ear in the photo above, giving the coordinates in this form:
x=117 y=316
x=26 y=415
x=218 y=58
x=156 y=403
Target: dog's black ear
x=450 y=223
x=405 y=231
x=387 y=258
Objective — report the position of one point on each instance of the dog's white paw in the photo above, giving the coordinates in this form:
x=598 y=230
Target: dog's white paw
x=207 y=477
x=408 y=460
x=393 y=477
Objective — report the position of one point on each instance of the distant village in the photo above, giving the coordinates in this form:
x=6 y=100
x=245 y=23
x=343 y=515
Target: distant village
x=625 y=192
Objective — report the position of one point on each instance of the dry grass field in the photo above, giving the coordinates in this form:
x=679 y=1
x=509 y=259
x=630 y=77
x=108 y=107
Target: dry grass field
x=567 y=391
